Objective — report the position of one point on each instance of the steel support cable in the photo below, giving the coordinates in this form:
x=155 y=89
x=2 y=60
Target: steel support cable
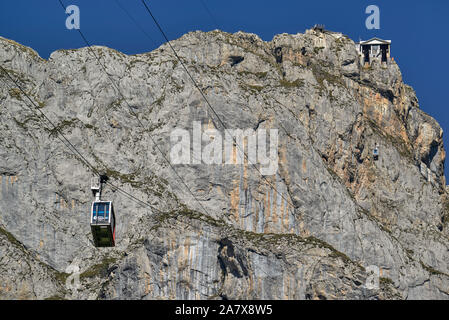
x=67 y=142
x=208 y=103
x=136 y=116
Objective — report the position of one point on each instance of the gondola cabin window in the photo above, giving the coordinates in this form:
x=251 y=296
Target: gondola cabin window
x=103 y=223
x=100 y=212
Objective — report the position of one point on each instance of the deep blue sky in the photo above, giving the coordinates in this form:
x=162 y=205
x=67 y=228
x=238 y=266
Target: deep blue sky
x=418 y=30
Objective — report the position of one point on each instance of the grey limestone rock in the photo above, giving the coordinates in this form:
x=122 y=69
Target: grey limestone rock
x=311 y=231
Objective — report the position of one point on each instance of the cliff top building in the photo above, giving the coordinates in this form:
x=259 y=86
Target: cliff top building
x=374 y=49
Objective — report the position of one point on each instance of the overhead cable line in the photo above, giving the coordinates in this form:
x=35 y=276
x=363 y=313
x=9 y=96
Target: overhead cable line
x=269 y=96
x=135 y=115
x=208 y=103
x=135 y=22
x=67 y=142
x=64 y=139
x=210 y=14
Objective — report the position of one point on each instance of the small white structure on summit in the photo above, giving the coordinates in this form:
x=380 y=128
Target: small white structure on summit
x=374 y=49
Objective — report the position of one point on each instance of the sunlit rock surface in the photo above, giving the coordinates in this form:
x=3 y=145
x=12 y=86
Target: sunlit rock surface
x=312 y=231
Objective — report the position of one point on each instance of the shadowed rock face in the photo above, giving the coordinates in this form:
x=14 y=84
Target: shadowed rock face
x=309 y=232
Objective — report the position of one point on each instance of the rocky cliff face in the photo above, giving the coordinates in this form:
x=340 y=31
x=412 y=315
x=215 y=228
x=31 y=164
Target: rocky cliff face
x=312 y=231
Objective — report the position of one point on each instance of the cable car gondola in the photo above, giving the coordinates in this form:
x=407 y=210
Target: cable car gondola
x=102 y=218
x=376 y=153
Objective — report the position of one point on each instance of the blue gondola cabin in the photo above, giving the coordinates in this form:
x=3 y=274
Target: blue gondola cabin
x=102 y=223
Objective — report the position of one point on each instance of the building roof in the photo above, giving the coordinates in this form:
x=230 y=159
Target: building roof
x=375 y=41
